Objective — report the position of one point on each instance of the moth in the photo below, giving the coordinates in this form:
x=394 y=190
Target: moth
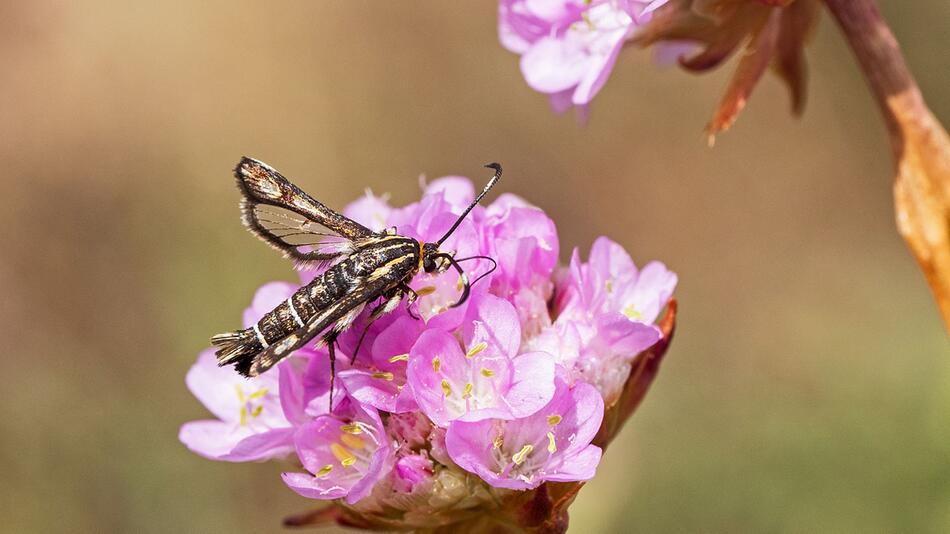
x=365 y=268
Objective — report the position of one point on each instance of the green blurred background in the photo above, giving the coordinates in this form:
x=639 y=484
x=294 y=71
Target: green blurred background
x=808 y=388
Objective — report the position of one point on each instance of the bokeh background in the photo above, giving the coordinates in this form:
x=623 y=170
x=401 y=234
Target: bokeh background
x=808 y=388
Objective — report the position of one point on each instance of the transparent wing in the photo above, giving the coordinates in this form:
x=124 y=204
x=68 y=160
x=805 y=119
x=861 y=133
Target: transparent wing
x=290 y=220
x=297 y=237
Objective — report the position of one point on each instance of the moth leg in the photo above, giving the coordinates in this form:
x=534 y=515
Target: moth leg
x=410 y=300
x=330 y=340
x=389 y=304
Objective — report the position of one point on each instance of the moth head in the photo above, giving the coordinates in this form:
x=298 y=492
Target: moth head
x=434 y=260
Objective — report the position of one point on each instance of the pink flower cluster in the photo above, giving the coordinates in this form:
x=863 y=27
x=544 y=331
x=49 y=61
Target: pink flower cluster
x=569 y=47
x=507 y=390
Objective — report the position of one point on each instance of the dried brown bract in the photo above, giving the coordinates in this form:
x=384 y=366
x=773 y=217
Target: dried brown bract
x=770 y=33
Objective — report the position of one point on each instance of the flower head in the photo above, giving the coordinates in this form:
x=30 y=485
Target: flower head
x=441 y=413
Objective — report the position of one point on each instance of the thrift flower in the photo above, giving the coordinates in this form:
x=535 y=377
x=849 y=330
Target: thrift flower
x=608 y=307
x=382 y=382
x=345 y=454
x=568 y=48
x=250 y=422
x=488 y=378
x=551 y=444
x=454 y=416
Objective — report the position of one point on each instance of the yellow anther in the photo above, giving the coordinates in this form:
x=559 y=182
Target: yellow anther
x=436 y=364
x=468 y=390
x=240 y=392
x=257 y=411
x=345 y=457
x=257 y=394
x=427 y=290
x=590 y=24
x=399 y=358
x=487 y=373
x=446 y=388
x=383 y=375
x=552 y=447
x=610 y=285
x=460 y=284
x=476 y=349
x=324 y=471
x=353 y=442
x=497 y=442
x=554 y=419
x=352 y=428
x=632 y=312
x=520 y=456
x=243 y=415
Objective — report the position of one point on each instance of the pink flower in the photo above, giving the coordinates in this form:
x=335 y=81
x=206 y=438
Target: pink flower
x=439 y=417
x=345 y=454
x=568 y=47
x=525 y=244
x=381 y=383
x=607 y=309
x=553 y=444
x=486 y=376
x=250 y=422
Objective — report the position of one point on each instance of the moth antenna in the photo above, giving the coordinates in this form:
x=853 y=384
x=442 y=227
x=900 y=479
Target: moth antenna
x=494 y=265
x=491 y=183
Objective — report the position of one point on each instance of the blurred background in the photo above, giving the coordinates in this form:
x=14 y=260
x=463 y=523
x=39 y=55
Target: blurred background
x=808 y=388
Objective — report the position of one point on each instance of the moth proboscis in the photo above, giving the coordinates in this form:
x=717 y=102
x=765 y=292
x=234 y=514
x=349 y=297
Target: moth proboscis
x=365 y=267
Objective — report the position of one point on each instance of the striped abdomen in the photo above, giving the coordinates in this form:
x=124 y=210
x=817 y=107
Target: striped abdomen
x=401 y=254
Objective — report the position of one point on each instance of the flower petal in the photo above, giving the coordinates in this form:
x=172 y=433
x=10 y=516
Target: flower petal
x=275 y=443
x=532 y=385
x=552 y=65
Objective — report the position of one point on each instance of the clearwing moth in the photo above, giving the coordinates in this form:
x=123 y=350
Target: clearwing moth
x=366 y=267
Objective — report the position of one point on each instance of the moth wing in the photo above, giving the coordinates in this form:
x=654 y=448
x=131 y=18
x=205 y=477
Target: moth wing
x=290 y=220
x=341 y=312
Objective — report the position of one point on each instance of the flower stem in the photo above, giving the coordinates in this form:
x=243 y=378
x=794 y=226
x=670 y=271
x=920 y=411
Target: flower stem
x=920 y=144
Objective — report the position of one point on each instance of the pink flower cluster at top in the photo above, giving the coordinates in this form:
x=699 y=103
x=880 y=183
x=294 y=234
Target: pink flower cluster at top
x=509 y=387
x=569 y=47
